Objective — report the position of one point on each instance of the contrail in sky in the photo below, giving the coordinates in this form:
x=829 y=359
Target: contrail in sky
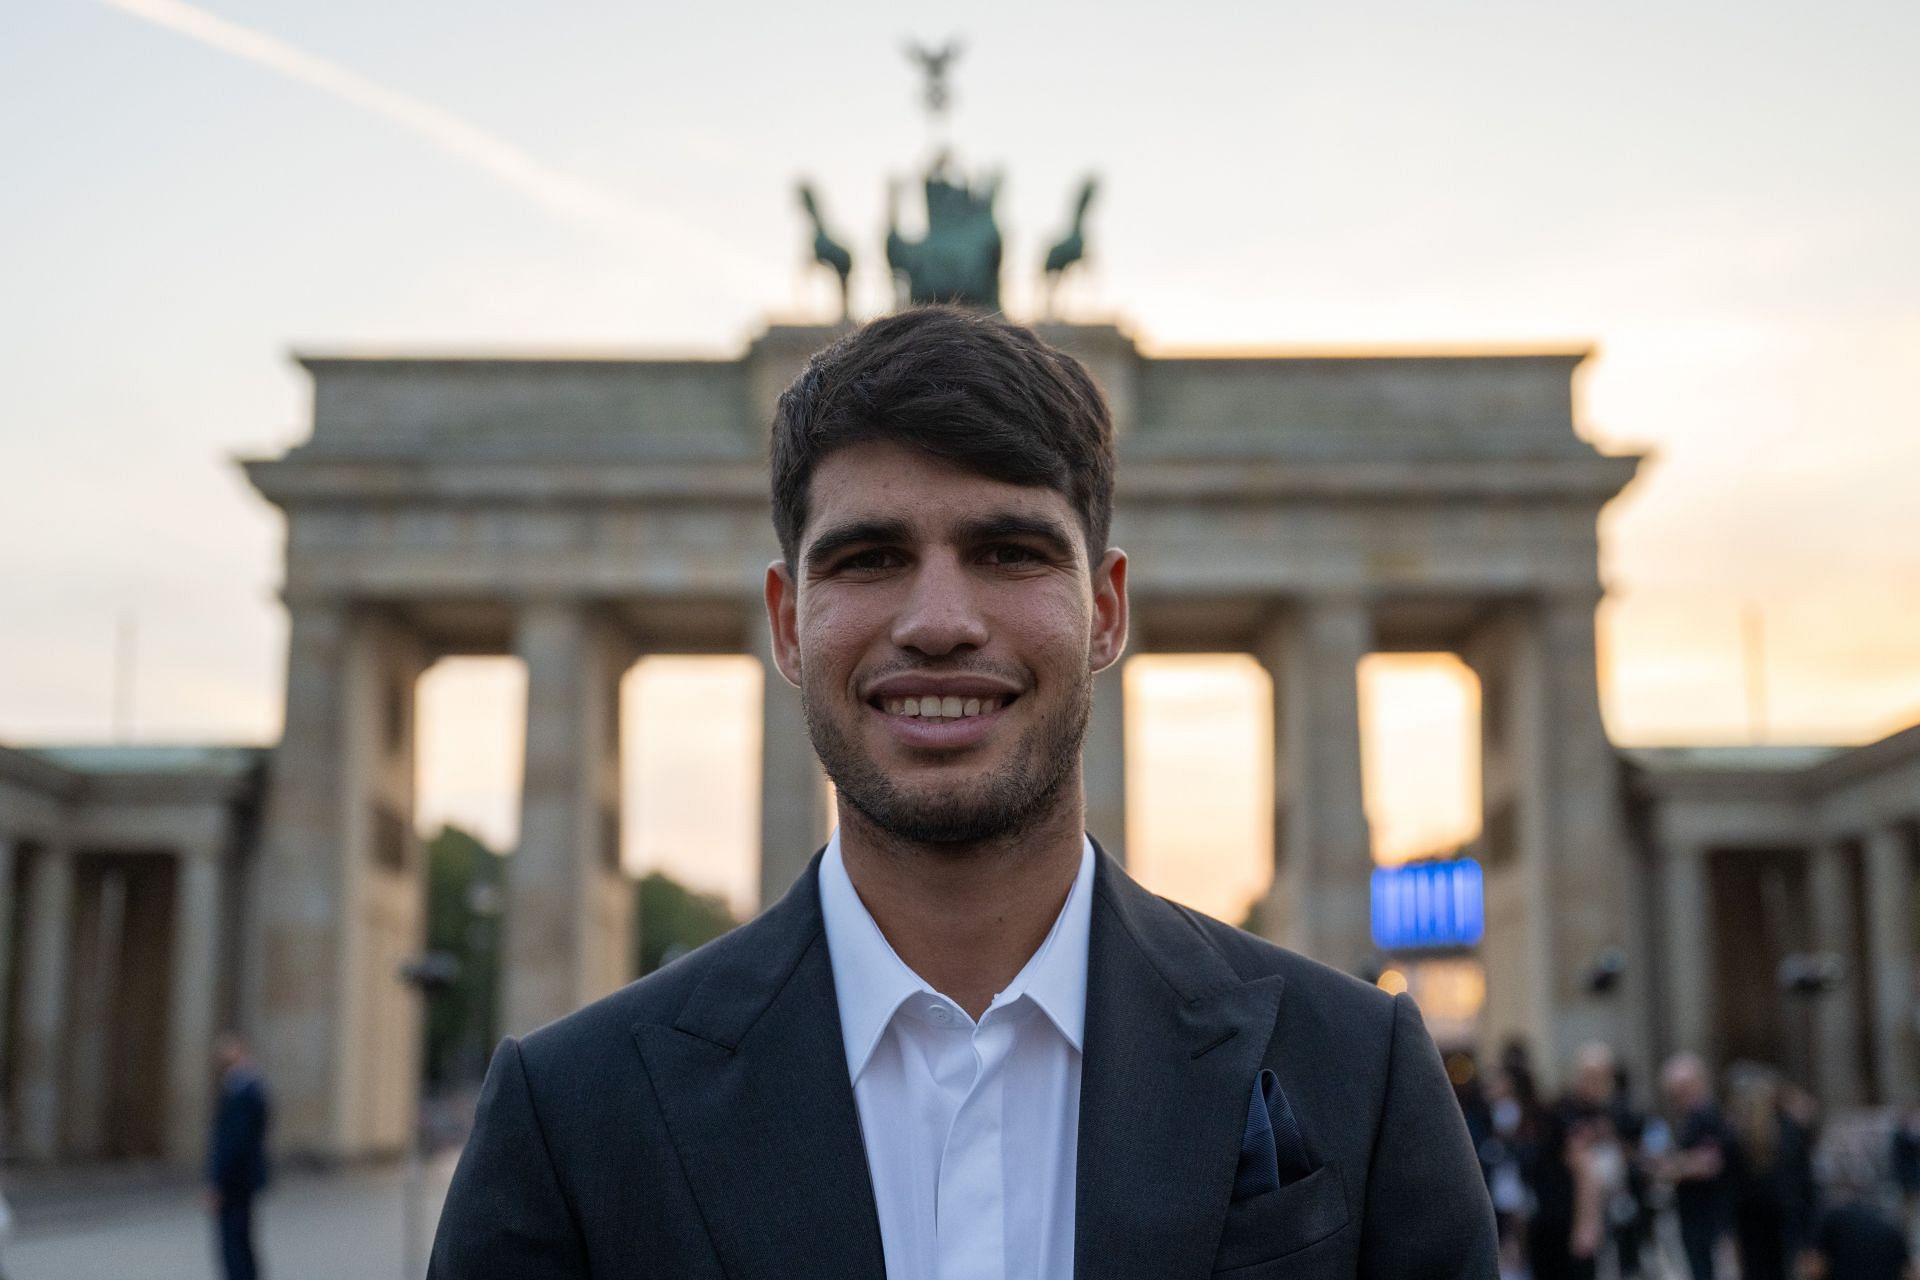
x=577 y=201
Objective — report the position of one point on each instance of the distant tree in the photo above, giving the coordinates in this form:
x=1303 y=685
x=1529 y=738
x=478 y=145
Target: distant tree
x=465 y=899
x=466 y=902
x=672 y=920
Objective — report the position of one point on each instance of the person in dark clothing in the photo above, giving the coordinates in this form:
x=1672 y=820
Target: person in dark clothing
x=1508 y=1154
x=1562 y=1235
x=1769 y=1178
x=1629 y=1210
x=1696 y=1167
x=237 y=1156
x=1855 y=1241
x=1581 y=1168
x=1905 y=1153
x=1470 y=1091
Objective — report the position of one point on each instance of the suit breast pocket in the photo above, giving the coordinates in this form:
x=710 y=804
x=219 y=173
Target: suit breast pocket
x=1275 y=1223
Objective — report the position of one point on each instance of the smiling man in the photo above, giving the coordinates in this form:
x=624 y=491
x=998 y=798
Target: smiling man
x=965 y=1045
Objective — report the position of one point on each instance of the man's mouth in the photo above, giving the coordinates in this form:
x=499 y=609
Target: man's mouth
x=935 y=709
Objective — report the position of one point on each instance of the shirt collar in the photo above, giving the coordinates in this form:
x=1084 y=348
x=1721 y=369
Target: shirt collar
x=871 y=981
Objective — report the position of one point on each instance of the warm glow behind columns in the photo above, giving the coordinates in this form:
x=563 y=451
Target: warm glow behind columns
x=1200 y=779
x=1419 y=753
x=470 y=748
x=691 y=773
x=1199 y=766
x=689 y=763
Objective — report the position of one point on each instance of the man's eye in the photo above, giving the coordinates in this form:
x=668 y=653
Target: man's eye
x=873 y=558
x=1012 y=553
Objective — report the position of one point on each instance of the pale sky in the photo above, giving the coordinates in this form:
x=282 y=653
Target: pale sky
x=1720 y=197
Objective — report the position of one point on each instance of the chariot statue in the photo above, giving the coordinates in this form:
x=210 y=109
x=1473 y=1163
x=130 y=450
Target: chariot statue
x=957 y=260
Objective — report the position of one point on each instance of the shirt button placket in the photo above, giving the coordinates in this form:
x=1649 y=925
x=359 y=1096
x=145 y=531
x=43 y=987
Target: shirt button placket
x=972 y=1244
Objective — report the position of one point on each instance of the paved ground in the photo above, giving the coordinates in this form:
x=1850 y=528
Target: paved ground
x=310 y=1227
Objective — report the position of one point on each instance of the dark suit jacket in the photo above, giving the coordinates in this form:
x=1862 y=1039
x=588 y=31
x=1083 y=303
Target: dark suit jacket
x=237 y=1153
x=700 y=1122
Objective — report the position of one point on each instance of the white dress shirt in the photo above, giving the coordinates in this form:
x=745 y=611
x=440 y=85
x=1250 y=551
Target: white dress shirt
x=971 y=1129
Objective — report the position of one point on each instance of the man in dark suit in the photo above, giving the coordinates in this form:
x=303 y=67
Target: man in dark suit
x=237 y=1155
x=965 y=1044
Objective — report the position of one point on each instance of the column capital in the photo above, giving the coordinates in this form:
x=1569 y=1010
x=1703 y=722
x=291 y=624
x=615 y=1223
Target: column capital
x=577 y=611
x=1326 y=600
x=200 y=853
x=1831 y=843
x=1584 y=599
x=549 y=604
x=310 y=601
x=1317 y=612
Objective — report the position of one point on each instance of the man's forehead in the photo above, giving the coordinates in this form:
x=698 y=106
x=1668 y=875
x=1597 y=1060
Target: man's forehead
x=929 y=496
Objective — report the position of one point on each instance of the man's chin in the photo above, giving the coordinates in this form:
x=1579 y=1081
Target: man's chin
x=955 y=829
x=960 y=808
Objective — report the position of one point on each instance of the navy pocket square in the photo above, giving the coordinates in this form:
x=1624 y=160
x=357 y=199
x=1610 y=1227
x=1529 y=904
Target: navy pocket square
x=1272 y=1151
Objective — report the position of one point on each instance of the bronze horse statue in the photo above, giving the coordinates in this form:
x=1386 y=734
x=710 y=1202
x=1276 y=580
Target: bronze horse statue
x=1071 y=247
x=827 y=251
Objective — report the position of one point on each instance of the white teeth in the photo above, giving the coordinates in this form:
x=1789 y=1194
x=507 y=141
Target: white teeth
x=932 y=707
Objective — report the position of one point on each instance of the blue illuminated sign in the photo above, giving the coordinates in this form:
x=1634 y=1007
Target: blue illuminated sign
x=1428 y=904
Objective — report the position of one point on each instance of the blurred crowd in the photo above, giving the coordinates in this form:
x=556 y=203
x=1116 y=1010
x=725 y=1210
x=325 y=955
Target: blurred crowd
x=1704 y=1184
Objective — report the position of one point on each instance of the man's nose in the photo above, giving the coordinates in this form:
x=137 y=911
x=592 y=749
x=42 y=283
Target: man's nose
x=941 y=612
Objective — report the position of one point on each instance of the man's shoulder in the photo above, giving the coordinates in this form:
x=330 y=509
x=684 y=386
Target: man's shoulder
x=1308 y=982
x=608 y=1024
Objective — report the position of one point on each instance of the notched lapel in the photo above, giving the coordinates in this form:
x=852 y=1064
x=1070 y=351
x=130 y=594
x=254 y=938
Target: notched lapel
x=1174 y=1040
x=754 y=1091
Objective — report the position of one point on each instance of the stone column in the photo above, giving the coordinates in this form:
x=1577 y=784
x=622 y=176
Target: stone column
x=43 y=998
x=195 y=986
x=299 y=911
x=1592 y=881
x=1836 y=1060
x=1688 y=927
x=568 y=916
x=1105 y=762
x=1320 y=903
x=337 y=900
x=1889 y=866
x=1562 y=882
x=795 y=818
x=95 y=966
x=7 y=855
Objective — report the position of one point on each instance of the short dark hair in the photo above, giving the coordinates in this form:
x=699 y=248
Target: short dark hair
x=970 y=389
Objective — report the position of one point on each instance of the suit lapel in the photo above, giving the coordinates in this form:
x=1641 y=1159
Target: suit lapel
x=752 y=1081
x=1174 y=1039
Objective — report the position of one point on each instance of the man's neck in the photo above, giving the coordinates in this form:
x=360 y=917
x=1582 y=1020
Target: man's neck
x=968 y=919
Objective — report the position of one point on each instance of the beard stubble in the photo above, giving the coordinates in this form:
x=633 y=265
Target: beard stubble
x=1009 y=800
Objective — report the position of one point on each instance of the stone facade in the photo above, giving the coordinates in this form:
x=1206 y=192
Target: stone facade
x=126 y=869
x=1766 y=858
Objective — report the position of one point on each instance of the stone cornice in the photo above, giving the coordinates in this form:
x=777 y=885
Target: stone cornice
x=1863 y=761
x=40 y=775
x=1157 y=481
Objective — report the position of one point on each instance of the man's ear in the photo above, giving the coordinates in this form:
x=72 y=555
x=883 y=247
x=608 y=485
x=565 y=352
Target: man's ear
x=783 y=621
x=1109 y=639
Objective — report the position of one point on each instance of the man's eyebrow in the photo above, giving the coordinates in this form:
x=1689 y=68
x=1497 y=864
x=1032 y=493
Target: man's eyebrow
x=837 y=539
x=1013 y=525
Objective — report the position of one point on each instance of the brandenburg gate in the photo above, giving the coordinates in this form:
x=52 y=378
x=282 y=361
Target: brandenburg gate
x=581 y=513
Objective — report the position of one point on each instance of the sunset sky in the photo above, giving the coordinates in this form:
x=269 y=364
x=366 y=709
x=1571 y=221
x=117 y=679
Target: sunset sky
x=1720 y=198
